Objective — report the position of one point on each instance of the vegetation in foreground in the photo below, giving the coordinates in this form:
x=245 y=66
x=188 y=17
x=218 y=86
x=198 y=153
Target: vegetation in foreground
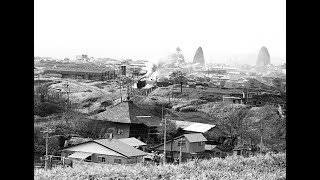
x=270 y=166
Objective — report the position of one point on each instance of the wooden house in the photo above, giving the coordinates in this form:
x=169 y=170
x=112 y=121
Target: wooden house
x=190 y=146
x=110 y=151
x=130 y=121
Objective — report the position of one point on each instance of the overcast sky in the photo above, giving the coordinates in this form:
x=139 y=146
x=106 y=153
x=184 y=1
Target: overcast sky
x=148 y=29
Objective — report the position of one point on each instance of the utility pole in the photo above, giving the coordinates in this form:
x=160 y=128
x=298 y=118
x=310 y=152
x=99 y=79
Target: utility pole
x=247 y=95
x=181 y=142
x=180 y=157
x=261 y=143
x=46 y=131
x=120 y=90
x=165 y=137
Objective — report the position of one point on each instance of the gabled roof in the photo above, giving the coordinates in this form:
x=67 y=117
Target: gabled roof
x=127 y=112
x=199 y=127
x=114 y=145
x=195 y=137
x=132 y=142
x=120 y=147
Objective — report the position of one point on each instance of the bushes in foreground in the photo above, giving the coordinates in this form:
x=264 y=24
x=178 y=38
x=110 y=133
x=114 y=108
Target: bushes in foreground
x=259 y=167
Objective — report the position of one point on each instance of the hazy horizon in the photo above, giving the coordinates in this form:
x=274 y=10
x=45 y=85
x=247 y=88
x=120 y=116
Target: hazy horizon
x=152 y=30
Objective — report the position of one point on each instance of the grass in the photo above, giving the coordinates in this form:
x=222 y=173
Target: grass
x=271 y=166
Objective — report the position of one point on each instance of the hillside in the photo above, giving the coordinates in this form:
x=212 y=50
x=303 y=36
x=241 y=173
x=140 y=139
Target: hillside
x=259 y=167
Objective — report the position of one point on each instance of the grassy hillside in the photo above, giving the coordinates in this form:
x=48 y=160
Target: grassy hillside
x=259 y=167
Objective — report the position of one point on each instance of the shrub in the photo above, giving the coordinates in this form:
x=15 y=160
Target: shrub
x=258 y=167
x=188 y=109
x=91 y=99
x=198 y=102
x=46 y=108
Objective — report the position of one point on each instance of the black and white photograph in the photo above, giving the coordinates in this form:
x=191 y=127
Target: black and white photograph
x=159 y=89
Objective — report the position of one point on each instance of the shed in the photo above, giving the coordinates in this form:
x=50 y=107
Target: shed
x=241 y=150
x=212 y=151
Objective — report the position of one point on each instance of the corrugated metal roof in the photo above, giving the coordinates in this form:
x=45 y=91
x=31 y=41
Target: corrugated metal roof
x=182 y=124
x=199 y=127
x=120 y=147
x=132 y=142
x=195 y=137
x=80 y=155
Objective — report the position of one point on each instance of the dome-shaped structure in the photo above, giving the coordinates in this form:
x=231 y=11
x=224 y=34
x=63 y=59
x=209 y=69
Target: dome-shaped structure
x=198 y=57
x=263 y=57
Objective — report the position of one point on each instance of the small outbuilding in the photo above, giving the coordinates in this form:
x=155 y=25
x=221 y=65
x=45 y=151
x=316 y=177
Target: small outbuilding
x=212 y=151
x=241 y=150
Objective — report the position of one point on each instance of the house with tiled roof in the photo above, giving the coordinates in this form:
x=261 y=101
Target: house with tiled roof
x=130 y=121
x=191 y=146
x=110 y=151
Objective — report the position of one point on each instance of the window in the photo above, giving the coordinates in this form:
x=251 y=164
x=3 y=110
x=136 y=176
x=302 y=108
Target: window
x=218 y=153
x=249 y=95
x=120 y=131
x=101 y=159
x=201 y=143
x=239 y=152
x=117 y=161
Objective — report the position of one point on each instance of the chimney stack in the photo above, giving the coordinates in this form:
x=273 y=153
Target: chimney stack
x=110 y=136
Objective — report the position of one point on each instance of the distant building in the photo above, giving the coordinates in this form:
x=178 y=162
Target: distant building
x=232 y=100
x=83 y=58
x=84 y=74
